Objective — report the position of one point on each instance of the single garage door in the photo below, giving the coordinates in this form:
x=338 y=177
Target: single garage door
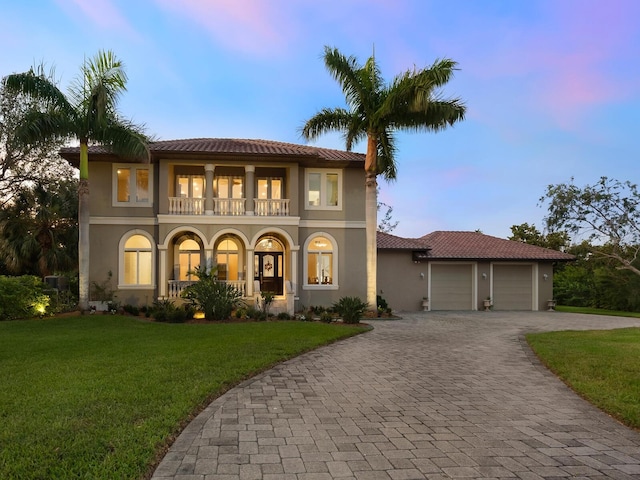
x=451 y=287
x=512 y=287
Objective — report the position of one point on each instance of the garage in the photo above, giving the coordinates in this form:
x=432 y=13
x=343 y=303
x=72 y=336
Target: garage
x=451 y=286
x=512 y=287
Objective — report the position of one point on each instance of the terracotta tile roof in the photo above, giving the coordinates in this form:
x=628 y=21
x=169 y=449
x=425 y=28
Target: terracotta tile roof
x=469 y=246
x=475 y=245
x=386 y=241
x=234 y=146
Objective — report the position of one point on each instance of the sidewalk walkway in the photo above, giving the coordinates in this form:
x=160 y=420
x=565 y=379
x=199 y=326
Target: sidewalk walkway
x=432 y=396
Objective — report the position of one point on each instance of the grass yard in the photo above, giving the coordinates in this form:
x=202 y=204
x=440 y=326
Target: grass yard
x=597 y=311
x=602 y=366
x=100 y=396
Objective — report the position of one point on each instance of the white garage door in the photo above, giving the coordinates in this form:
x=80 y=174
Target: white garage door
x=512 y=287
x=451 y=287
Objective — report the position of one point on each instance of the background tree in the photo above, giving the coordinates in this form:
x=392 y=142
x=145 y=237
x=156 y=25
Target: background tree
x=529 y=234
x=605 y=214
x=39 y=229
x=23 y=163
x=87 y=114
x=376 y=111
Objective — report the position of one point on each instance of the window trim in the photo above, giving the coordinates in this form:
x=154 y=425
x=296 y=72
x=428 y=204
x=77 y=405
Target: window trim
x=334 y=266
x=132 y=185
x=121 y=251
x=323 y=194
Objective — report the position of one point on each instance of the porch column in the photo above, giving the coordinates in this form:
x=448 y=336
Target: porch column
x=249 y=275
x=294 y=268
x=162 y=274
x=250 y=190
x=208 y=189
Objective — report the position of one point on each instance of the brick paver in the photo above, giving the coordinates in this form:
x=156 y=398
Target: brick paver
x=434 y=395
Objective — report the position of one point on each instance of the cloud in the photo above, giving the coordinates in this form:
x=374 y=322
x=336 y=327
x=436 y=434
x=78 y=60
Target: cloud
x=251 y=26
x=558 y=59
x=101 y=13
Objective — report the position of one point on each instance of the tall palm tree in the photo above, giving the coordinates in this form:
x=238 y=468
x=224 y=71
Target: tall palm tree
x=87 y=114
x=375 y=112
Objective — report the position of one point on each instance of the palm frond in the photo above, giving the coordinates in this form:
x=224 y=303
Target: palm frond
x=387 y=155
x=38 y=86
x=439 y=115
x=326 y=120
x=125 y=139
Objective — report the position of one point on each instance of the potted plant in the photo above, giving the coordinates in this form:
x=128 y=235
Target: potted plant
x=425 y=304
x=551 y=305
x=487 y=304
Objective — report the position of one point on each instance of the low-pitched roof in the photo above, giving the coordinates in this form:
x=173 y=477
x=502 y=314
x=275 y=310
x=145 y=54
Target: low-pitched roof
x=229 y=146
x=447 y=245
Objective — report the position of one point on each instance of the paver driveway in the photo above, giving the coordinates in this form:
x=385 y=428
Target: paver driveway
x=435 y=395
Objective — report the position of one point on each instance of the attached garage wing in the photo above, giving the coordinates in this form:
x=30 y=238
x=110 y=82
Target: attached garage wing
x=512 y=287
x=451 y=286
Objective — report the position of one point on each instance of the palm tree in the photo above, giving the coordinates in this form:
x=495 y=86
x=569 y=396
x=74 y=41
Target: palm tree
x=38 y=229
x=376 y=111
x=87 y=114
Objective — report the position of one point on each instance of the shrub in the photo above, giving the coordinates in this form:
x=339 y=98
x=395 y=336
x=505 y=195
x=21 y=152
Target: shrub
x=326 y=317
x=22 y=297
x=216 y=299
x=350 y=309
x=131 y=310
x=284 y=316
x=161 y=310
x=381 y=303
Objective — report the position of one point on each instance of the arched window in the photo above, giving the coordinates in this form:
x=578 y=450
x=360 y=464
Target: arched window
x=188 y=259
x=321 y=270
x=227 y=260
x=137 y=261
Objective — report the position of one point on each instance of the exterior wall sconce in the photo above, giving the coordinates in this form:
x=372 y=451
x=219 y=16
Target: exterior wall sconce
x=545 y=276
x=421 y=276
x=484 y=276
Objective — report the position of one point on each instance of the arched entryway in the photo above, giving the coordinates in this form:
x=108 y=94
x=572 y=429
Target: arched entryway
x=268 y=266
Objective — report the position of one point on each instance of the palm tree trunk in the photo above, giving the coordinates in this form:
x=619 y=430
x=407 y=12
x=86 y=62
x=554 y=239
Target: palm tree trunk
x=371 y=215
x=371 y=205
x=83 y=229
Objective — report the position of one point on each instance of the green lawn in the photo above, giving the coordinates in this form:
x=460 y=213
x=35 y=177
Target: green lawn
x=602 y=366
x=100 y=396
x=597 y=311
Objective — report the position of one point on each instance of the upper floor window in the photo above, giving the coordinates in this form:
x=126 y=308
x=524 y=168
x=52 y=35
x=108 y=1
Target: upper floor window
x=190 y=186
x=132 y=185
x=270 y=188
x=136 y=260
x=228 y=187
x=323 y=189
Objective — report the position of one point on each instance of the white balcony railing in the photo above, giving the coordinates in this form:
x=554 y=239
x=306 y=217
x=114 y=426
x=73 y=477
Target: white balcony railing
x=270 y=207
x=228 y=206
x=186 y=206
x=177 y=286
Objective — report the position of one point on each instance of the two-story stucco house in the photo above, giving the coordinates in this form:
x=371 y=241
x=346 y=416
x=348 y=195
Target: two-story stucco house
x=270 y=216
x=287 y=219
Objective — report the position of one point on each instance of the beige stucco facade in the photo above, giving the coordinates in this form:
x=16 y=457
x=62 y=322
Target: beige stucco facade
x=256 y=215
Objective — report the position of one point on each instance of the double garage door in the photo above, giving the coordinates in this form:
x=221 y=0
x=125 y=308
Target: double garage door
x=453 y=287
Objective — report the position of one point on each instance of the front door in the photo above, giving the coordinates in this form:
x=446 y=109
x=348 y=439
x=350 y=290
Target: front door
x=268 y=271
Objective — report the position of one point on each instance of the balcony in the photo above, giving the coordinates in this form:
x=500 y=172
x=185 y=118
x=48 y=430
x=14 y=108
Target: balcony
x=228 y=206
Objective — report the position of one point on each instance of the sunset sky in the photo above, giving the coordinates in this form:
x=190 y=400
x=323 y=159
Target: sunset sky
x=552 y=87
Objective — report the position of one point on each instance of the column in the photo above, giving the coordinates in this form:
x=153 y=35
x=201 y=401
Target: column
x=250 y=190
x=162 y=276
x=208 y=189
x=249 y=276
